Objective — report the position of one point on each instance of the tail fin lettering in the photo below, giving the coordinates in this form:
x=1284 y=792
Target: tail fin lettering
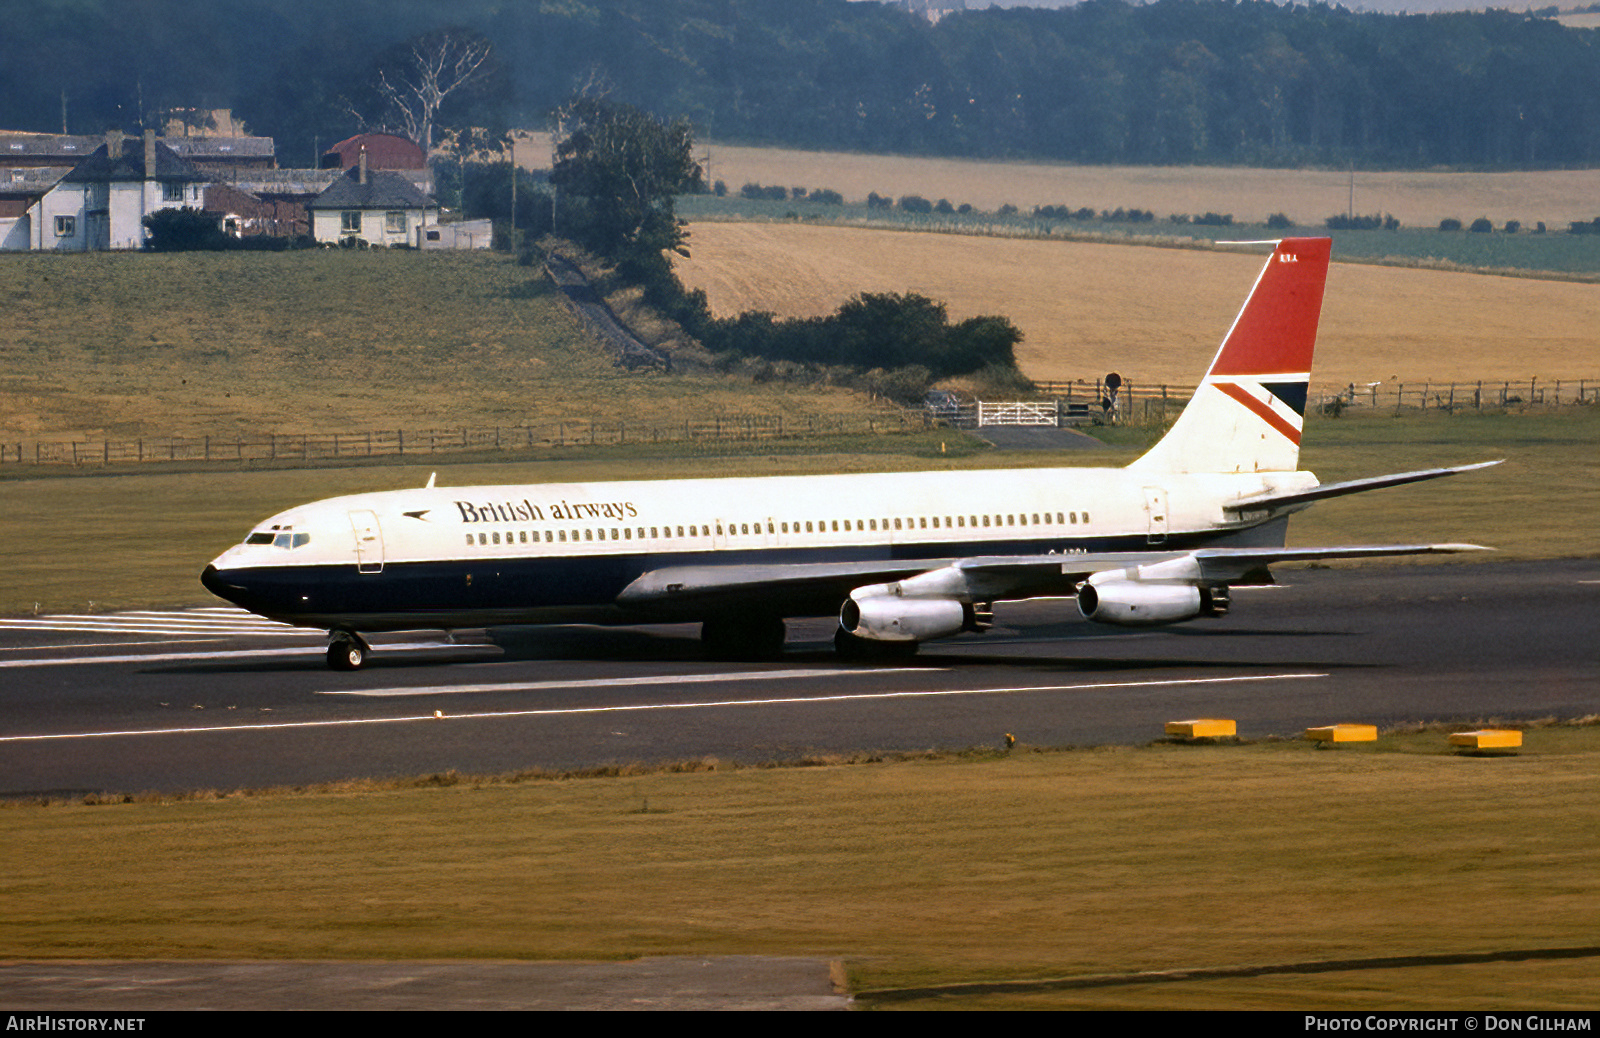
x=1248 y=412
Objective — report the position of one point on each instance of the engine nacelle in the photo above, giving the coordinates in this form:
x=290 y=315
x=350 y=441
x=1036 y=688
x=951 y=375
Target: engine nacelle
x=891 y=618
x=1129 y=603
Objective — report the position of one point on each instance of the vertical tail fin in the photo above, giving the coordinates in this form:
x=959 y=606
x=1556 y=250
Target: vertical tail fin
x=1247 y=414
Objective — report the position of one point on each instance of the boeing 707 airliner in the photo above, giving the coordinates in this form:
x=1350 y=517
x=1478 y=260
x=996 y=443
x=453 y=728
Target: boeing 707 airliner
x=901 y=558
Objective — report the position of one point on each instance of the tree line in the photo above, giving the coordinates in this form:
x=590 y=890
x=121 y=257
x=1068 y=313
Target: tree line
x=1105 y=81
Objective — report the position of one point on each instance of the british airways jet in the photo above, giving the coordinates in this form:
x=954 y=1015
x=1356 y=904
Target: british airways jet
x=901 y=558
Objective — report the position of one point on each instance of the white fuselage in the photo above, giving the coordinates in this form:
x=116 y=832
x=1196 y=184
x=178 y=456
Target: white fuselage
x=443 y=556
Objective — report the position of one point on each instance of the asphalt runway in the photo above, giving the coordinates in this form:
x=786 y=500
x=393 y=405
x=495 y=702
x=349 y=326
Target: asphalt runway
x=215 y=699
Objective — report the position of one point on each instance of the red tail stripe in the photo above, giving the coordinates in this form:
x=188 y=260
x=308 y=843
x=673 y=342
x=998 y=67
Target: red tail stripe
x=1262 y=410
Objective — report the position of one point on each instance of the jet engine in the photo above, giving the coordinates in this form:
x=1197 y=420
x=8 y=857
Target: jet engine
x=1129 y=603
x=935 y=604
x=890 y=618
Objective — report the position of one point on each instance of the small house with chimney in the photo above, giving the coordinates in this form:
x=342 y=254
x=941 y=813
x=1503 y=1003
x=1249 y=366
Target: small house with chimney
x=377 y=206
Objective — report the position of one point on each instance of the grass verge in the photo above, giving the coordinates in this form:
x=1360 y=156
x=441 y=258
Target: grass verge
x=981 y=866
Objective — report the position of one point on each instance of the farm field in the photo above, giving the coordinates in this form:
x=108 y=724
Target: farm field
x=1156 y=315
x=1418 y=199
x=119 y=346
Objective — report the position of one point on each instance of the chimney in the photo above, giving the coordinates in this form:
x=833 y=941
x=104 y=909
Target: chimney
x=150 y=154
x=362 y=163
x=114 y=146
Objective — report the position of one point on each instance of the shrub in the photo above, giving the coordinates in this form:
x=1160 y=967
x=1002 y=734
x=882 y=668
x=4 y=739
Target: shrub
x=184 y=230
x=905 y=385
x=1342 y=222
x=1215 y=220
x=826 y=196
x=1006 y=210
x=877 y=201
x=944 y=207
x=915 y=204
x=1513 y=226
x=1279 y=222
x=1482 y=225
x=1449 y=223
x=756 y=191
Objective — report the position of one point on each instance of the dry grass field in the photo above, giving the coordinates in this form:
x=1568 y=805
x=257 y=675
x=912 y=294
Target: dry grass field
x=1156 y=315
x=1418 y=199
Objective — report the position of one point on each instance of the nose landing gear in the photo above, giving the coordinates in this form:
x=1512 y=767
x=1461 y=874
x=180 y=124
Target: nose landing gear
x=347 y=650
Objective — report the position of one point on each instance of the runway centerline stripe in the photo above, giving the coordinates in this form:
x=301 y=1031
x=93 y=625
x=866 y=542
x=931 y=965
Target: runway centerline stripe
x=653 y=679
x=646 y=707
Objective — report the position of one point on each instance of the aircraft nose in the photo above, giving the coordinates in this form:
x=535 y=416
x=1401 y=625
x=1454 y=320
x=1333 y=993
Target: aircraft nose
x=214 y=582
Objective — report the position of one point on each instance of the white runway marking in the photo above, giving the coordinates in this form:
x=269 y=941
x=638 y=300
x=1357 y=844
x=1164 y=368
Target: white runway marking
x=654 y=679
x=644 y=707
x=217 y=620
x=227 y=654
x=104 y=645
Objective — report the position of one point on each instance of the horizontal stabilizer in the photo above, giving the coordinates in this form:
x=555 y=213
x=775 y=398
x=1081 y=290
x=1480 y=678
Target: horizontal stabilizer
x=1349 y=486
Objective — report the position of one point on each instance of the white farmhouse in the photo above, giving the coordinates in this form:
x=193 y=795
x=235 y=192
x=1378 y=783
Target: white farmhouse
x=377 y=206
x=102 y=203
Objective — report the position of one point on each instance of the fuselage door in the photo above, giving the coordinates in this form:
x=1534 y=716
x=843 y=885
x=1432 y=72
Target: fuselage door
x=369 y=541
x=1155 y=504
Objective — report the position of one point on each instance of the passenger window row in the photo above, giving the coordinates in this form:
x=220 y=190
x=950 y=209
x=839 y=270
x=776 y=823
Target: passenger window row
x=812 y=526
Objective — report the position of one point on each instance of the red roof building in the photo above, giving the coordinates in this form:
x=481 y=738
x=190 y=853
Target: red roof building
x=384 y=151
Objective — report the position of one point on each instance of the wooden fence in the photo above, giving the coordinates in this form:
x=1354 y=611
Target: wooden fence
x=292 y=447
x=1155 y=405
x=1461 y=396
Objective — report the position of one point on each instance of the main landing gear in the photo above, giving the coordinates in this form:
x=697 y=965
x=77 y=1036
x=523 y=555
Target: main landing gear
x=347 y=650
x=743 y=638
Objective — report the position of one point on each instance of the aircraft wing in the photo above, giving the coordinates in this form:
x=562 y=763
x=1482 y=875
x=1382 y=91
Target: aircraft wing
x=810 y=589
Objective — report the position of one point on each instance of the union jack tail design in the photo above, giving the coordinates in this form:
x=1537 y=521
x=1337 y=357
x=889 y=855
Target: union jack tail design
x=1247 y=414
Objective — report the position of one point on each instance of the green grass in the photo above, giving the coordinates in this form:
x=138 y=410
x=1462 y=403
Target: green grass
x=974 y=867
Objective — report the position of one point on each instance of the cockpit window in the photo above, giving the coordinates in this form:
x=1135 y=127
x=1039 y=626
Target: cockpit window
x=279 y=538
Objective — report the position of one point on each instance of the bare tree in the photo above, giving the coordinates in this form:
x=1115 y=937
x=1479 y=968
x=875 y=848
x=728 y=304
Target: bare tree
x=431 y=67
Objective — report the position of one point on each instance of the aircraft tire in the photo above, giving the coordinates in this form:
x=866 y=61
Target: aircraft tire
x=348 y=653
